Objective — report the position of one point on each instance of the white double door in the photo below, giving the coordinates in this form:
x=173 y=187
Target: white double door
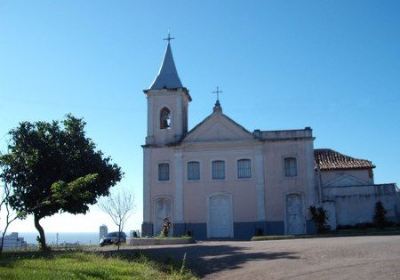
x=220 y=222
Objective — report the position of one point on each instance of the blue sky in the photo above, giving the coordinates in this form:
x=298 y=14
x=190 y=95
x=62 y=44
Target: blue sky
x=331 y=65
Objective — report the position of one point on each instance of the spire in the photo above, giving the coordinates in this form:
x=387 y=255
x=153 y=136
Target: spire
x=167 y=76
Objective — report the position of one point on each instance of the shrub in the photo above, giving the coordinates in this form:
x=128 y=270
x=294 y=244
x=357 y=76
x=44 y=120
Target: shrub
x=259 y=232
x=379 y=217
x=320 y=217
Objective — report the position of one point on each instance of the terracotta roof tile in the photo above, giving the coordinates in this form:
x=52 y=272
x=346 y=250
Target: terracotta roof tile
x=327 y=159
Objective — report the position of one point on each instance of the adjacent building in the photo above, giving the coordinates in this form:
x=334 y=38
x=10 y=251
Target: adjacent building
x=103 y=231
x=14 y=242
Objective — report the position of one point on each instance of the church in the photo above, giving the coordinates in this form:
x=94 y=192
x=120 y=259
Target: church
x=220 y=180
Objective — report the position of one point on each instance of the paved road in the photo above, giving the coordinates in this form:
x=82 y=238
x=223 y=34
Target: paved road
x=370 y=257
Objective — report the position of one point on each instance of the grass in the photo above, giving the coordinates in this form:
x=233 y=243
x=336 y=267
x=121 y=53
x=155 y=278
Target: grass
x=183 y=237
x=85 y=265
x=388 y=230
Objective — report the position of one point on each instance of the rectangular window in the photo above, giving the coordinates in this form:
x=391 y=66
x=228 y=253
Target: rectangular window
x=290 y=167
x=218 y=169
x=163 y=172
x=244 y=168
x=193 y=170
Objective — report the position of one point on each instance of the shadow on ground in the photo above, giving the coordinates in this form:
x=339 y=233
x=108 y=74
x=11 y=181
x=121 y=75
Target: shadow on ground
x=205 y=259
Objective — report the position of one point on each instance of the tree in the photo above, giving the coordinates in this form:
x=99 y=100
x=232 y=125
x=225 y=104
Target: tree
x=10 y=216
x=119 y=207
x=320 y=218
x=380 y=215
x=53 y=167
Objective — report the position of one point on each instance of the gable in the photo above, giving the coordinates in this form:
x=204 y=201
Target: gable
x=217 y=127
x=345 y=180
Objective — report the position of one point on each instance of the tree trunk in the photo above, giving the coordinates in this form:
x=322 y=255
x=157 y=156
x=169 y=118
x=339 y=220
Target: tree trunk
x=42 y=237
x=2 y=240
x=4 y=235
x=119 y=236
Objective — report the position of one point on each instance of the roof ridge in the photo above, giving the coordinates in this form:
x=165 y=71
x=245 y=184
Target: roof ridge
x=327 y=159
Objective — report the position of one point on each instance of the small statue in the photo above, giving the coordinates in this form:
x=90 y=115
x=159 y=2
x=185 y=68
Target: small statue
x=165 y=228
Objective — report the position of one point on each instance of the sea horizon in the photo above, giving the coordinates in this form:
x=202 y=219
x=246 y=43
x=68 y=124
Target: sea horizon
x=83 y=238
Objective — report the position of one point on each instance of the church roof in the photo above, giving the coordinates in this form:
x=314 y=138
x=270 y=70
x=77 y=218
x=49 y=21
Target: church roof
x=217 y=111
x=328 y=159
x=167 y=77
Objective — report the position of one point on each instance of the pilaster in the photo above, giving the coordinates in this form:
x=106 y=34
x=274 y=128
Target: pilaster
x=178 y=187
x=260 y=185
x=146 y=185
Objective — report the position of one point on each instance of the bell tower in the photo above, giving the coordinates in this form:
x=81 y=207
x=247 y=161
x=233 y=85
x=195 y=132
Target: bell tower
x=167 y=104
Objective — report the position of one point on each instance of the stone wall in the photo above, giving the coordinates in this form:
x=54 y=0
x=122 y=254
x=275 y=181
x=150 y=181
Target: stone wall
x=354 y=205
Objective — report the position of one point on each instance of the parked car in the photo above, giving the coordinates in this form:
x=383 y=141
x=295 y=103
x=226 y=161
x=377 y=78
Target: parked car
x=112 y=238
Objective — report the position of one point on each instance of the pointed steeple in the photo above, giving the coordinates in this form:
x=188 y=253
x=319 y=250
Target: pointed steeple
x=167 y=76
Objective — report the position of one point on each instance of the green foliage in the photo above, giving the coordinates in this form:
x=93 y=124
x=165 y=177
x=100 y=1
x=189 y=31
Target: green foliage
x=165 y=228
x=79 y=265
x=380 y=215
x=53 y=167
x=320 y=218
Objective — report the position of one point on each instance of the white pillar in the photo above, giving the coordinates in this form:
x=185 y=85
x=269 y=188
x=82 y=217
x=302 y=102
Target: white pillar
x=179 y=118
x=150 y=113
x=146 y=185
x=311 y=194
x=178 y=187
x=260 y=185
x=150 y=120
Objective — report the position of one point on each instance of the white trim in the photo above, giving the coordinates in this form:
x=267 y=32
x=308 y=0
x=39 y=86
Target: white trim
x=150 y=112
x=179 y=116
x=146 y=184
x=179 y=187
x=312 y=178
x=260 y=186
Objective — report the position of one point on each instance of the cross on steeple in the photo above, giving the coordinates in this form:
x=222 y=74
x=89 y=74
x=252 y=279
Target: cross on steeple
x=217 y=106
x=217 y=92
x=169 y=38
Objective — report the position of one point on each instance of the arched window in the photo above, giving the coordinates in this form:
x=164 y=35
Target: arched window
x=165 y=118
